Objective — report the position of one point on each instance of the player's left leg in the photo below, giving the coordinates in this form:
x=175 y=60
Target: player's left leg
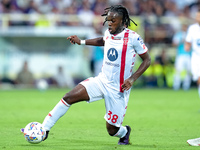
x=112 y=130
x=116 y=106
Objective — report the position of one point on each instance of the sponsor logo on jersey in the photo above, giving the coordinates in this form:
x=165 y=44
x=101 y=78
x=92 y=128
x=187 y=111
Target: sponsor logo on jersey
x=112 y=54
x=140 y=40
x=112 y=64
x=115 y=38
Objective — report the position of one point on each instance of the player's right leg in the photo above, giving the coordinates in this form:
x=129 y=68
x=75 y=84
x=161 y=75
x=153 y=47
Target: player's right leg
x=88 y=90
x=116 y=106
x=122 y=132
x=77 y=94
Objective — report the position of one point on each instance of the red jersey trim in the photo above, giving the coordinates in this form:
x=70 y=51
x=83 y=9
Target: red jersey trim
x=123 y=59
x=143 y=53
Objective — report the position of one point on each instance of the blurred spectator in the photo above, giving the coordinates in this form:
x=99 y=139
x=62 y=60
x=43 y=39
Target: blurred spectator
x=171 y=9
x=62 y=4
x=6 y=6
x=131 y=5
x=182 y=62
x=181 y=4
x=186 y=12
x=112 y=2
x=45 y=7
x=160 y=18
x=6 y=80
x=160 y=67
x=97 y=52
x=194 y=7
x=71 y=10
x=192 y=43
x=25 y=77
x=86 y=9
x=32 y=8
x=98 y=7
x=85 y=14
x=63 y=79
x=158 y=70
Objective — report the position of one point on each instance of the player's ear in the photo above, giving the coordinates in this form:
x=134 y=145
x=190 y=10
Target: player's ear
x=121 y=22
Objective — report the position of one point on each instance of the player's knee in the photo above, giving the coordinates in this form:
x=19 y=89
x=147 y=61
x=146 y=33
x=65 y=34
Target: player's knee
x=67 y=98
x=111 y=133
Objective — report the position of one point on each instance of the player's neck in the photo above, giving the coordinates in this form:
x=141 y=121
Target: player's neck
x=119 y=31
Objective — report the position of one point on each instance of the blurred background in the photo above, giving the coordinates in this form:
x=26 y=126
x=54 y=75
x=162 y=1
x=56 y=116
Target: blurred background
x=34 y=51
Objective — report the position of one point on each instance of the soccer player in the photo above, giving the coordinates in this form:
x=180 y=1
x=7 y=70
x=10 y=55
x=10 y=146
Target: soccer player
x=114 y=82
x=182 y=61
x=193 y=41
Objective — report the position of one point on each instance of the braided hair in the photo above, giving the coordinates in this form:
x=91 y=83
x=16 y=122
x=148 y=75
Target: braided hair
x=120 y=10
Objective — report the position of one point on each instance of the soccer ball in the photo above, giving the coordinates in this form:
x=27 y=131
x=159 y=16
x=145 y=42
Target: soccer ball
x=34 y=132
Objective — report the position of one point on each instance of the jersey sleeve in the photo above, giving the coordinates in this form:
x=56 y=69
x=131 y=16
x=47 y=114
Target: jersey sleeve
x=189 y=35
x=138 y=45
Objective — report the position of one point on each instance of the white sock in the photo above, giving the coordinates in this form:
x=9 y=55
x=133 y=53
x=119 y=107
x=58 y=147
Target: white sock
x=58 y=111
x=121 y=132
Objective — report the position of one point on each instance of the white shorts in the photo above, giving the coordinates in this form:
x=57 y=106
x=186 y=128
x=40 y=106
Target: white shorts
x=195 y=67
x=115 y=101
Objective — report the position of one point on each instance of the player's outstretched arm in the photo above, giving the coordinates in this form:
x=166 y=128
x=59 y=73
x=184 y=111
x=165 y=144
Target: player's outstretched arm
x=74 y=39
x=144 y=65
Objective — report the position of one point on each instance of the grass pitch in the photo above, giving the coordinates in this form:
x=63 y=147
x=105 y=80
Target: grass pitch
x=160 y=119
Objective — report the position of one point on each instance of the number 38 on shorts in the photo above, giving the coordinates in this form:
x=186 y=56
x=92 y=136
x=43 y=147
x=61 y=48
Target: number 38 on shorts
x=112 y=117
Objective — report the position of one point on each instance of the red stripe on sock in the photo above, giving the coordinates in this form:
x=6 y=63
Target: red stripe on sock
x=49 y=115
x=65 y=103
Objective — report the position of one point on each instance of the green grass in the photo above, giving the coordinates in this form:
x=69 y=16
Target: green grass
x=160 y=119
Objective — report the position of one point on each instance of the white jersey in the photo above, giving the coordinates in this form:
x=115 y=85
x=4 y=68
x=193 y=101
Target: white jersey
x=193 y=37
x=119 y=57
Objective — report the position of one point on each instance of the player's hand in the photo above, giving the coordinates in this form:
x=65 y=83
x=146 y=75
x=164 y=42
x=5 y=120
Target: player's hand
x=127 y=84
x=74 y=39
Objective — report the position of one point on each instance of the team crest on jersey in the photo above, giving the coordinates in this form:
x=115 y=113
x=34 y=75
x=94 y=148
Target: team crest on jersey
x=112 y=54
x=125 y=41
